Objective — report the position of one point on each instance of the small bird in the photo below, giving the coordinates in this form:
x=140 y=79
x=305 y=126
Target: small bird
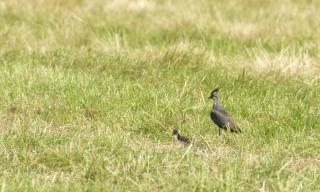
x=182 y=139
x=219 y=115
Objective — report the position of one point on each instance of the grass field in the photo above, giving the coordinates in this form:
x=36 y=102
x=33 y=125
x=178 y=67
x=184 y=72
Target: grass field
x=91 y=90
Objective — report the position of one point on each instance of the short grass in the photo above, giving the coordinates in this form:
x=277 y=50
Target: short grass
x=91 y=90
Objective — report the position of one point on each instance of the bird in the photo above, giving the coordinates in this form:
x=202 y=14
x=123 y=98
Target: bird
x=179 y=137
x=220 y=116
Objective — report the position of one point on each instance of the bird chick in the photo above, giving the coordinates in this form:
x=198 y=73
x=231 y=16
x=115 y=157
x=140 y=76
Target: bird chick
x=220 y=116
x=179 y=137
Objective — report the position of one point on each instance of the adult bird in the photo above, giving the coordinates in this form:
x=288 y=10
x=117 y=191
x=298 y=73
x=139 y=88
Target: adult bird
x=220 y=116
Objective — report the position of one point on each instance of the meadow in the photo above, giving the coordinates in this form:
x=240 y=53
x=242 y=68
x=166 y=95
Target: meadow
x=90 y=91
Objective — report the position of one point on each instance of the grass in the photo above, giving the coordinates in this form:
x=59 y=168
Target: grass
x=91 y=90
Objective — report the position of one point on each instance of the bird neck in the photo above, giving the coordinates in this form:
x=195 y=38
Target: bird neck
x=215 y=100
x=216 y=104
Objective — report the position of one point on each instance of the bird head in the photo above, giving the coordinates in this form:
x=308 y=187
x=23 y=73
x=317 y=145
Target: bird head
x=175 y=131
x=214 y=94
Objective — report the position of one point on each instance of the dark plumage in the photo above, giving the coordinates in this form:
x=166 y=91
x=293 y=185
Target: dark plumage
x=219 y=115
x=182 y=139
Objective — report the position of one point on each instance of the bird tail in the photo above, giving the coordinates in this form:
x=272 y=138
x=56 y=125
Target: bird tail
x=236 y=130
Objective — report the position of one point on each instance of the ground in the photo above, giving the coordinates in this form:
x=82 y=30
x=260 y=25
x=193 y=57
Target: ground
x=91 y=90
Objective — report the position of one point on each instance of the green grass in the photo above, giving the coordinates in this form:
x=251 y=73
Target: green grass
x=91 y=90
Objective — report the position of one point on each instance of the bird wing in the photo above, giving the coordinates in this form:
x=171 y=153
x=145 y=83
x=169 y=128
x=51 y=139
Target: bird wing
x=226 y=120
x=184 y=139
x=219 y=118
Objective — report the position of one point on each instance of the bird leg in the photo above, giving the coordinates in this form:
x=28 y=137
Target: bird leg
x=219 y=130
